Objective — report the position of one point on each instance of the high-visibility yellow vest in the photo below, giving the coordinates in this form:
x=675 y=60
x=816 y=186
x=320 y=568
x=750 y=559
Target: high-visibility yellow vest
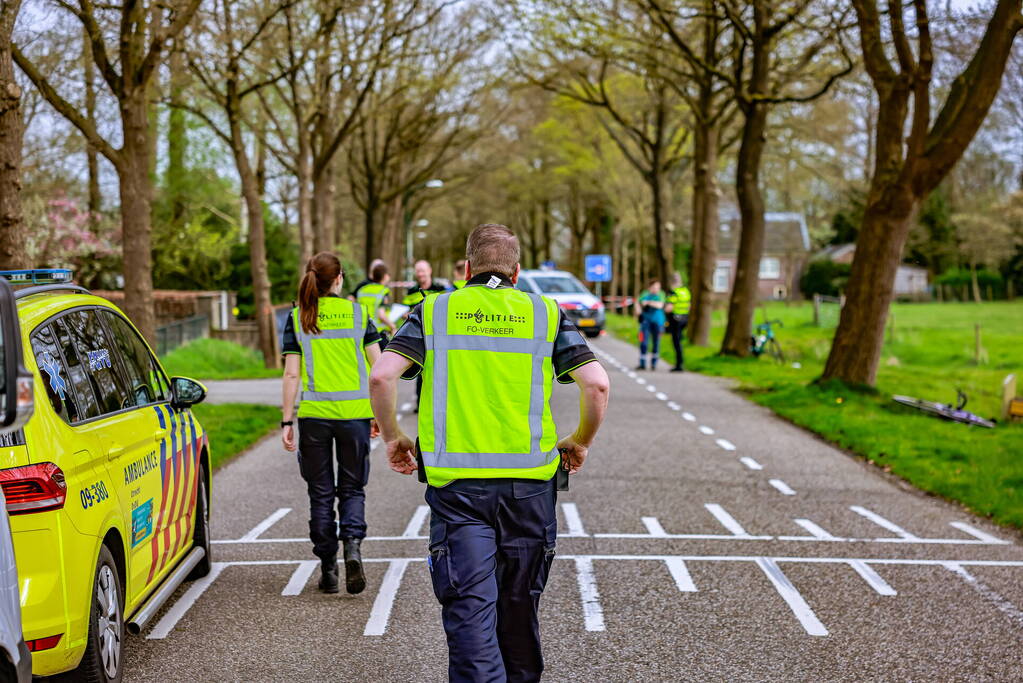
x=334 y=371
x=458 y=284
x=681 y=299
x=372 y=297
x=487 y=378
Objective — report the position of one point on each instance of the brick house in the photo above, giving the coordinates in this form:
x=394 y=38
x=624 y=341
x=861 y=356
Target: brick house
x=786 y=252
x=911 y=282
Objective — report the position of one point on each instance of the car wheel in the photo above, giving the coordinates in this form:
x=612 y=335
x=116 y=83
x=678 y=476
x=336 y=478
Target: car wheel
x=201 y=536
x=592 y=332
x=102 y=659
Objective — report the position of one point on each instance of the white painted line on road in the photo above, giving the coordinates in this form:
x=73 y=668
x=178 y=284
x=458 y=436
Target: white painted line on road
x=726 y=520
x=725 y=444
x=381 y=612
x=640 y=381
x=263 y=526
x=405 y=407
x=415 y=525
x=593 y=613
x=688 y=417
x=575 y=523
x=750 y=463
x=632 y=375
x=674 y=406
x=872 y=578
x=651 y=388
x=987 y=592
x=977 y=533
x=704 y=429
x=884 y=523
x=300 y=577
x=815 y=531
x=184 y=603
x=653 y=525
x=680 y=573
x=781 y=486
x=788 y=592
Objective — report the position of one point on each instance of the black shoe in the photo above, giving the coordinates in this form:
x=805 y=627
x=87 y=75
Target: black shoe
x=678 y=369
x=355 y=579
x=641 y=367
x=328 y=576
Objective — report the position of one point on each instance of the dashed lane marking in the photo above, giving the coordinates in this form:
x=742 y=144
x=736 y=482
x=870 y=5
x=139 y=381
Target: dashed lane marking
x=781 y=486
x=384 y=603
x=300 y=577
x=884 y=523
x=415 y=525
x=750 y=463
x=704 y=429
x=725 y=444
x=689 y=417
x=988 y=593
x=788 y=592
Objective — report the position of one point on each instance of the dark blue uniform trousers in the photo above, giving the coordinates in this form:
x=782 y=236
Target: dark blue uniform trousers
x=491 y=548
x=319 y=442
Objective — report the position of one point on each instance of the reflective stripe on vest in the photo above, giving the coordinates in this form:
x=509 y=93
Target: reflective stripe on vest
x=372 y=297
x=539 y=348
x=357 y=332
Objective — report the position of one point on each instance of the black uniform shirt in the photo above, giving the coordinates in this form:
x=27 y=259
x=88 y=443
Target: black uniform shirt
x=289 y=340
x=570 y=348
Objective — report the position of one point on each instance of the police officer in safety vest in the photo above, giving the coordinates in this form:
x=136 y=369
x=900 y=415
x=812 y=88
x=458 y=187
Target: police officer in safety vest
x=489 y=354
x=678 y=303
x=459 y=280
x=330 y=344
x=375 y=296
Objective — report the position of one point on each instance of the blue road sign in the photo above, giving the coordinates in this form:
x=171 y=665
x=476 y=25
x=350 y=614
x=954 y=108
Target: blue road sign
x=598 y=268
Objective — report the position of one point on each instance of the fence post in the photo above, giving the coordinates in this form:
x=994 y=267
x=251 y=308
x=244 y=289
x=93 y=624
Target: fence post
x=1008 y=393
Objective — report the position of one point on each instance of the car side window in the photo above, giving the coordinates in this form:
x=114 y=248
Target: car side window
x=78 y=370
x=96 y=353
x=148 y=383
x=54 y=375
x=523 y=285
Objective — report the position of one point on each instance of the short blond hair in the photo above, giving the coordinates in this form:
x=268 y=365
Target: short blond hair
x=492 y=248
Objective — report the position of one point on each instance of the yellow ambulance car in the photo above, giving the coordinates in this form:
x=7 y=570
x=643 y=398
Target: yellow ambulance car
x=107 y=486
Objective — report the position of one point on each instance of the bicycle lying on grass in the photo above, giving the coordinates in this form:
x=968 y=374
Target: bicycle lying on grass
x=764 y=341
x=947 y=412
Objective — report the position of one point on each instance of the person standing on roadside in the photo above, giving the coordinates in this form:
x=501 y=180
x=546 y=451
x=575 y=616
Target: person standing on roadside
x=459 y=280
x=375 y=296
x=650 y=310
x=425 y=286
x=372 y=264
x=677 y=308
x=330 y=344
x=487 y=447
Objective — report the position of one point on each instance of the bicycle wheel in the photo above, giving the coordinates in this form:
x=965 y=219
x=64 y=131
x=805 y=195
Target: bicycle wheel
x=968 y=418
x=774 y=348
x=929 y=407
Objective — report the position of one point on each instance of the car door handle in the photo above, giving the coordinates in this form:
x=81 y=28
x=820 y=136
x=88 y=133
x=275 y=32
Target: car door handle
x=159 y=435
x=115 y=451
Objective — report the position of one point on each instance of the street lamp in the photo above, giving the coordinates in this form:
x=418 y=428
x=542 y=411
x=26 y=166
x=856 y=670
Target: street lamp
x=429 y=184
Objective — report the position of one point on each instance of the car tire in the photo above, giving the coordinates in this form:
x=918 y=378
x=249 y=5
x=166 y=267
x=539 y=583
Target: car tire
x=201 y=535
x=592 y=332
x=103 y=658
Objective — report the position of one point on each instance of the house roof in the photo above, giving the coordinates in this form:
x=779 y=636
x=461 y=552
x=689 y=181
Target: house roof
x=785 y=233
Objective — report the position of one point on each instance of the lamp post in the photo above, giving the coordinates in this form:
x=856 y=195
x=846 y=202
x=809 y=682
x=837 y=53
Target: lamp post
x=434 y=183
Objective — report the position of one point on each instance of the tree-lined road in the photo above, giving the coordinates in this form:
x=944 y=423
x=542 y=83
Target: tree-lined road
x=705 y=539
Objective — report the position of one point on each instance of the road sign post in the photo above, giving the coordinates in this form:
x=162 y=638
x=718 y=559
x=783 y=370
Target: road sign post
x=598 y=270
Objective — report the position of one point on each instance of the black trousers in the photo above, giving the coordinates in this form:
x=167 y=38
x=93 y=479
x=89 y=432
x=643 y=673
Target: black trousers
x=677 y=326
x=320 y=443
x=491 y=548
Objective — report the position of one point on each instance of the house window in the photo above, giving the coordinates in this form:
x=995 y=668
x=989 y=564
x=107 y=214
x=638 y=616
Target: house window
x=770 y=268
x=722 y=276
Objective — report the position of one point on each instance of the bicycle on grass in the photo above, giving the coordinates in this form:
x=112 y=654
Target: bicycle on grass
x=764 y=341
x=946 y=411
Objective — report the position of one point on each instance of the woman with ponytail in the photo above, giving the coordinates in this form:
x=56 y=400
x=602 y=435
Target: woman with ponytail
x=329 y=346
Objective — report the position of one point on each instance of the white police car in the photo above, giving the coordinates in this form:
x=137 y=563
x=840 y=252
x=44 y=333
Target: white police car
x=572 y=296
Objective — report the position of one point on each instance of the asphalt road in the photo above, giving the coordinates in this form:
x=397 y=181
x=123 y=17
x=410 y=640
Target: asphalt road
x=705 y=539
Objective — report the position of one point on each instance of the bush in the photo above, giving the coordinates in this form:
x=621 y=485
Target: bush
x=824 y=277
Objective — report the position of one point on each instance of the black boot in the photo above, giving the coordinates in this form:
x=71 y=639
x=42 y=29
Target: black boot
x=355 y=579
x=328 y=576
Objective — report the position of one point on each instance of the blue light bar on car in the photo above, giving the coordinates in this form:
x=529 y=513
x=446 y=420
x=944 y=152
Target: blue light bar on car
x=38 y=276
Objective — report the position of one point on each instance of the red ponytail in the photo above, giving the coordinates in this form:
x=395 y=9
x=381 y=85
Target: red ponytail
x=320 y=273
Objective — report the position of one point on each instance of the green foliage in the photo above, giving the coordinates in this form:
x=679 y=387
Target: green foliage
x=824 y=276
x=932 y=241
x=216 y=359
x=929 y=352
x=234 y=427
x=281 y=261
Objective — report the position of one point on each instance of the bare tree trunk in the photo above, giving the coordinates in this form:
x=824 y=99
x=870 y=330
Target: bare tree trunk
x=136 y=190
x=11 y=131
x=324 y=237
x=705 y=233
x=392 y=236
x=548 y=247
x=176 y=135
x=974 y=283
x=305 y=202
x=95 y=198
x=662 y=245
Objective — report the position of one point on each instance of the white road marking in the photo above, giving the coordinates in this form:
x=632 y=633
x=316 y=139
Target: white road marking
x=725 y=444
x=750 y=463
x=815 y=531
x=640 y=381
x=631 y=374
x=989 y=593
x=653 y=525
x=977 y=533
x=263 y=526
x=884 y=523
x=781 y=486
x=680 y=573
x=651 y=388
x=405 y=407
x=184 y=603
x=415 y=525
x=300 y=577
x=575 y=523
x=376 y=625
x=704 y=429
x=674 y=406
x=726 y=520
x=872 y=578
x=795 y=600
x=689 y=417
x=593 y=613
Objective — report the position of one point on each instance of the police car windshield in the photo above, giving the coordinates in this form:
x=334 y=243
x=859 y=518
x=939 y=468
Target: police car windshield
x=559 y=284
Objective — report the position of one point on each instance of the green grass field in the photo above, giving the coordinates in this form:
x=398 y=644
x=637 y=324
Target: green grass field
x=929 y=352
x=216 y=359
x=234 y=427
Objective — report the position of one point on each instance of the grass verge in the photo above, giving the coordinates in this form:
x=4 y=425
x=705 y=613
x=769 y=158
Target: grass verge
x=928 y=353
x=234 y=427
x=216 y=359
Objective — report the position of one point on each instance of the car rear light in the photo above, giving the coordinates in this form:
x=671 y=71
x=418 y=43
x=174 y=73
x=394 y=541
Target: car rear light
x=33 y=488
x=597 y=306
x=47 y=643
x=569 y=305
